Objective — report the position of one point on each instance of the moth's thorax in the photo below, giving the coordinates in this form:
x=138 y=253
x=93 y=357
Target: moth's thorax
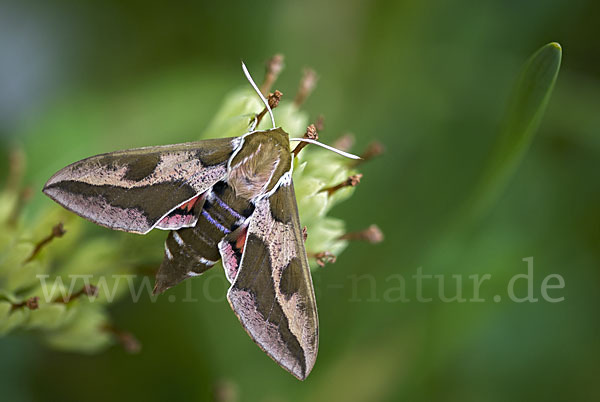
x=257 y=167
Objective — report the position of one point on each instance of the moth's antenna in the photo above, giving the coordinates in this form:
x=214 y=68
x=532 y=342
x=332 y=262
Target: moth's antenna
x=330 y=148
x=258 y=92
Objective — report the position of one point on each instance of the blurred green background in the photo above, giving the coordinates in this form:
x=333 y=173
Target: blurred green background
x=431 y=81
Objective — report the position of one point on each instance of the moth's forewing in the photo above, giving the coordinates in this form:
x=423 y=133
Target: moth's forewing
x=272 y=294
x=134 y=190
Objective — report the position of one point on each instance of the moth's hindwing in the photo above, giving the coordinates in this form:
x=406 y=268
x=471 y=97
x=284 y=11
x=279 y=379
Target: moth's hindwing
x=272 y=293
x=138 y=189
x=191 y=251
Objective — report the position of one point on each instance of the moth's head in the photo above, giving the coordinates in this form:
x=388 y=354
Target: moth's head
x=264 y=157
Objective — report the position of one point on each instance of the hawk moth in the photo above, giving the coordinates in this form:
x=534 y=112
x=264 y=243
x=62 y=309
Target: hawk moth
x=228 y=199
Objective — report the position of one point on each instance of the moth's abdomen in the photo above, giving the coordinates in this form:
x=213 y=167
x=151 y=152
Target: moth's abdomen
x=191 y=251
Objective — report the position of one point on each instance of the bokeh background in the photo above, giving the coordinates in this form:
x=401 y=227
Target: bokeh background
x=431 y=81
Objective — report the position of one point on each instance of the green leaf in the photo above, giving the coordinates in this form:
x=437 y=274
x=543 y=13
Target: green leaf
x=290 y=118
x=11 y=260
x=85 y=332
x=525 y=111
x=48 y=317
x=10 y=319
x=8 y=201
x=234 y=117
x=25 y=276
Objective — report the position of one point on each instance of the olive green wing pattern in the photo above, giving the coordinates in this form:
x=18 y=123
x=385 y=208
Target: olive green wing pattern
x=138 y=189
x=272 y=293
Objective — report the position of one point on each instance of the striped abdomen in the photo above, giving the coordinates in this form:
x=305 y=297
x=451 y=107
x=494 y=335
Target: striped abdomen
x=191 y=251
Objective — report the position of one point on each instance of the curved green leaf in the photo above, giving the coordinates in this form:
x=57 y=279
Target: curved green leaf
x=529 y=100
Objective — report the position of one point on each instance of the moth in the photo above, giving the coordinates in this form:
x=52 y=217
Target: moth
x=228 y=199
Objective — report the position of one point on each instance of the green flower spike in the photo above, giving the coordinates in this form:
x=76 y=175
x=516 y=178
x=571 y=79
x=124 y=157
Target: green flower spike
x=322 y=179
x=44 y=265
